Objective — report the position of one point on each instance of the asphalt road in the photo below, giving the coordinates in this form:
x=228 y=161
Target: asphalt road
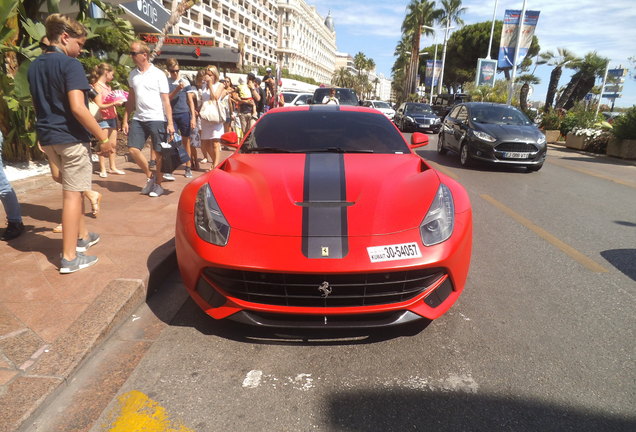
x=541 y=339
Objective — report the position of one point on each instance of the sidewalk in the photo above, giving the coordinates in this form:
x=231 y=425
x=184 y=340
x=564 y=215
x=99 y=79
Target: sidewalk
x=50 y=322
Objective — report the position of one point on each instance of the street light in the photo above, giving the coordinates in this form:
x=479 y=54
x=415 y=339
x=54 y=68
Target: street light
x=441 y=74
x=435 y=30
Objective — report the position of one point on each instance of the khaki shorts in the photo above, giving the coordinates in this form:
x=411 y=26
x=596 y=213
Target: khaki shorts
x=74 y=163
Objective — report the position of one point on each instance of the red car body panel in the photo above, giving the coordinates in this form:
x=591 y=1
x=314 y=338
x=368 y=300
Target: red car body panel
x=260 y=196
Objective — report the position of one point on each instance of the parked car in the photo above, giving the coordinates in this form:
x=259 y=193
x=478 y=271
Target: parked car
x=293 y=98
x=345 y=96
x=494 y=133
x=300 y=228
x=411 y=116
x=381 y=106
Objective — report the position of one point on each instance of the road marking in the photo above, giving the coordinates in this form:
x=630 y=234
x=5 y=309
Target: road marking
x=137 y=412
x=592 y=173
x=553 y=240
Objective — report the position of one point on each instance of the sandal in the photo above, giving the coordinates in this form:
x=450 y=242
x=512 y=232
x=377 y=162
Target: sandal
x=58 y=229
x=117 y=171
x=95 y=198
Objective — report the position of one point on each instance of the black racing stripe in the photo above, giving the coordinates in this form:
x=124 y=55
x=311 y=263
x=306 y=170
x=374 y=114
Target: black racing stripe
x=325 y=231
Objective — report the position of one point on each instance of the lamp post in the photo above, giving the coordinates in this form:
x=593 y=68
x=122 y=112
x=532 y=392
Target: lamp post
x=516 y=56
x=492 y=31
x=441 y=74
x=434 y=58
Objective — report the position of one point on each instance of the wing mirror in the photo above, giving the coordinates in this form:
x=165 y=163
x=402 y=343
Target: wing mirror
x=230 y=139
x=419 y=139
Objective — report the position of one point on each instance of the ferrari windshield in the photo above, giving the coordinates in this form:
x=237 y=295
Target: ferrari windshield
x=324 y=130
x=419 y=109
x=502 y=115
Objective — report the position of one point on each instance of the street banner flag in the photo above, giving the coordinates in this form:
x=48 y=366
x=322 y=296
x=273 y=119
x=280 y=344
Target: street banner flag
x=429 y=72
x=486 y=70
x=509 y=32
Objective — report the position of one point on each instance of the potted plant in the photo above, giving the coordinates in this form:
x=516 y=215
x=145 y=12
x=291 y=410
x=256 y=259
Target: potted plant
x=578 y=126
x=624 y=130
x=551 y=123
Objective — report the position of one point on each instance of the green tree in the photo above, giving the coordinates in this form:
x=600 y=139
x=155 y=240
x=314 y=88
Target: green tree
x=562 y=58
x=452 y=10
x=342 y=78
x=418 y=14
x=525 y=80
x=587 y=70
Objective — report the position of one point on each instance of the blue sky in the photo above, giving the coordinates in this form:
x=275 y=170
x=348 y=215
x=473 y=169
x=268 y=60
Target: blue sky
x=373 y=27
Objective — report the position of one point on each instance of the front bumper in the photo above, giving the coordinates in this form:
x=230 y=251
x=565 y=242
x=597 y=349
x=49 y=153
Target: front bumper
x=447 y=262
x=524 y=154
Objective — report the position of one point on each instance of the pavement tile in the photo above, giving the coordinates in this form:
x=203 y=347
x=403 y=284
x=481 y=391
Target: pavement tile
x=21 y=397
x=8 y=323
x=48 y=321
x=19 y=347
x=7 y=375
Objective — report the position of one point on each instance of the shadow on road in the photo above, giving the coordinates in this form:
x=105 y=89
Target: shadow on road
x=623 y=259
x=430 y=409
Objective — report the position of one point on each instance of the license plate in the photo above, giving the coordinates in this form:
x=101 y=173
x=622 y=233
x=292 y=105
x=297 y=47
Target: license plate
x=516 y=155
x=394 y=252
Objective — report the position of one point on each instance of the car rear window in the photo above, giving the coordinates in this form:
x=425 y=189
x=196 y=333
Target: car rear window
x=345 y=96
x=311 y=131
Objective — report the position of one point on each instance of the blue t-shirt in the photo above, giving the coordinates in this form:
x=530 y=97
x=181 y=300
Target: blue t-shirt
x=179 y=103
x=51 y=76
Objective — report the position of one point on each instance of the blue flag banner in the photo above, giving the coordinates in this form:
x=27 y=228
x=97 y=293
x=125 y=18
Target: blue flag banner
x=429 y=72
x=509 y=33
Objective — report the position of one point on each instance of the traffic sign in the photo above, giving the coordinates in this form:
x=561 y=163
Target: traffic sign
x=611 y=95
x=613 y=88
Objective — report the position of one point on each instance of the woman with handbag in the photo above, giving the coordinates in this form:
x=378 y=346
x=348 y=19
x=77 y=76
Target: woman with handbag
x=212 y=115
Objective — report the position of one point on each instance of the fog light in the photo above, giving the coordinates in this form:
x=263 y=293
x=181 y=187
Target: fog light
x=440 y=294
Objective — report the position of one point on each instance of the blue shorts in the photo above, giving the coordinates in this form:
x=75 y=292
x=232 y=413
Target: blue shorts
x=138 y=133
x=108 y=123
x=182 y=123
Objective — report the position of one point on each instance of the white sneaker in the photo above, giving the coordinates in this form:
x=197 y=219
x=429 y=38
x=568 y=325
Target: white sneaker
x=168 y=177
x=149 y=186
x=156 y=191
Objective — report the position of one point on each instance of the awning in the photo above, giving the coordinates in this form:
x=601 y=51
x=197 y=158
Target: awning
x=223 y=58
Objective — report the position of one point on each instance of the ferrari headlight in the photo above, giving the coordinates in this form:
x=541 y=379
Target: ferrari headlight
x=208 y=218
x=484 y=136
x=438 y=223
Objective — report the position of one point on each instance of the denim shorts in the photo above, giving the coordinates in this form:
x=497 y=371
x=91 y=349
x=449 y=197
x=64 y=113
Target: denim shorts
x=182 y=123
x=139 y=131
x=108 y=123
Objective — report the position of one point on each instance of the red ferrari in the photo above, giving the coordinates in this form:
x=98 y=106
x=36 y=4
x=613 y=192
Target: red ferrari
x=324 y=217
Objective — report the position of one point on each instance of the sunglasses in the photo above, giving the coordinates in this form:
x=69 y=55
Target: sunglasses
x=134 y=53
x=174 y=71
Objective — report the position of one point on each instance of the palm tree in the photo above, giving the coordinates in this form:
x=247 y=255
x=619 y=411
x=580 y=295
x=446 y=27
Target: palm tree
x=398 y=71
x=418 y=14
x=342 y=78
x=451 y=14
x=588 y=69
x=562 y=58
x=526 y=80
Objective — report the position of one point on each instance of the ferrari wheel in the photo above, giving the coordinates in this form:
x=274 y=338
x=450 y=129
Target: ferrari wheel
x=440 y=144
x=464 y=156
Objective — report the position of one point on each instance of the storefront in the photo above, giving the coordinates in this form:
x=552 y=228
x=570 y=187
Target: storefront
x=192 y=51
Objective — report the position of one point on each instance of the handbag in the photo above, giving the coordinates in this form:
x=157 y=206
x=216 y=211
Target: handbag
x=211 y=111
x=173 y=154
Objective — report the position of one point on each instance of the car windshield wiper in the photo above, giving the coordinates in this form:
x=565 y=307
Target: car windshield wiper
x=266 y=150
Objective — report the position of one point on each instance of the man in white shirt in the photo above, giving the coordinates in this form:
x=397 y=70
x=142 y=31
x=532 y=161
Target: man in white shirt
x=148 y=97
x=331 y=98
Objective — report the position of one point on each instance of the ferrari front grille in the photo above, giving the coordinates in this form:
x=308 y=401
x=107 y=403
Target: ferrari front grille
x=516 y=147
x=323 y=290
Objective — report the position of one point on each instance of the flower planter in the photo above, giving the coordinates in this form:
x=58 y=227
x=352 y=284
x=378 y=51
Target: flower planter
x=625 y=149
x=575 y=141
x=552 y=135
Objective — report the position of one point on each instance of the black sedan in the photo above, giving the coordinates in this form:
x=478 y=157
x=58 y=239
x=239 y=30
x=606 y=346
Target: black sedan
x=494 y=133
x=415 y=117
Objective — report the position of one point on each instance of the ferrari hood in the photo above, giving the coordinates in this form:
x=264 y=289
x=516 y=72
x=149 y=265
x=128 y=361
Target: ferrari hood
x=324 y=194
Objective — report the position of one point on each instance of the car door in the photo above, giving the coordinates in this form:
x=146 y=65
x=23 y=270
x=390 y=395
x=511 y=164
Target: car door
x=449 y=127
x=460 y=126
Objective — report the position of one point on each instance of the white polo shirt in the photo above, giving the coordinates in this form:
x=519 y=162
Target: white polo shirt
x=148 y=87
